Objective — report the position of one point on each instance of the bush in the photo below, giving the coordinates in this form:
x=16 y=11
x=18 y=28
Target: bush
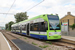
x=73 y=26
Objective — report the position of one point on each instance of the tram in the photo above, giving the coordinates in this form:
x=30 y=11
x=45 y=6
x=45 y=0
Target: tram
x=46 y=27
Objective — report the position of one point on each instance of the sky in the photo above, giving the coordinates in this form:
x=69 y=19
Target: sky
x=60 y=7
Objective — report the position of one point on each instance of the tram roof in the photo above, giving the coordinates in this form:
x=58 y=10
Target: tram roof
x=31 y=19
x=40 y=16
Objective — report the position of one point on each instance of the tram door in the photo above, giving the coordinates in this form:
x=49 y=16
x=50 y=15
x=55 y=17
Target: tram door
x=20 y=30
x=15 y=30
x=28 y=29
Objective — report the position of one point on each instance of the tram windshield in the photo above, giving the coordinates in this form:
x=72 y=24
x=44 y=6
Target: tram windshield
x=54 y=22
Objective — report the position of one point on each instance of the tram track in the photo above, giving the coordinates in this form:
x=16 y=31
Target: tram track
x=70 y=46
x=66 y=43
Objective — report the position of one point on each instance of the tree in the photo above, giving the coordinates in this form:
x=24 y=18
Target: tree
x=51 y=14
x=73 y=26
x=21 y=16
x=8 y=25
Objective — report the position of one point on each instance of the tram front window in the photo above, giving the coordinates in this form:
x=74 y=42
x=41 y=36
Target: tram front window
x=54 y=22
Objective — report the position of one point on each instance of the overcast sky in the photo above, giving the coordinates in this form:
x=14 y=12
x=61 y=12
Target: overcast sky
x=60 y=7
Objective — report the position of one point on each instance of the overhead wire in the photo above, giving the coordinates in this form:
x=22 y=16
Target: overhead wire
x=8 y=10
x=7 y=13
x=34 y=6
x=25 y=11
x=11 y=6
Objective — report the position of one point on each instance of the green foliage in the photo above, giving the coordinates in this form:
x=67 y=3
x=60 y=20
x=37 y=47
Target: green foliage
x=49 y=42
x=21 y=16
x=73 y=26
x=43 y=46
x=34 y=43
x=28 y=41
x=57 y=48
x=19 y=37
x=49 y=48
x=51 y=14
x=25 y=38
x=8 y=25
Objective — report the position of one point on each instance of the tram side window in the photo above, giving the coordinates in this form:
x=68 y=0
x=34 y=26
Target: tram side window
x=42 y=26
x=13 y=28
x=24 y=27
x=18 y=28
x=36 y=27
x=31 y=27
x=46 y=26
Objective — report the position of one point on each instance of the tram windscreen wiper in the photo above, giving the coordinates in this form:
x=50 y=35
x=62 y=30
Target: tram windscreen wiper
x=54 y=23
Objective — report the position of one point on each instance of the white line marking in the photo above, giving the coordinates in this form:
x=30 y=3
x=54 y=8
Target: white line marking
x=6 y=41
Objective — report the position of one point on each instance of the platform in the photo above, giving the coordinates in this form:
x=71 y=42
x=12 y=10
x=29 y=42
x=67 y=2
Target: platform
x=4 y=45
x=68 y=38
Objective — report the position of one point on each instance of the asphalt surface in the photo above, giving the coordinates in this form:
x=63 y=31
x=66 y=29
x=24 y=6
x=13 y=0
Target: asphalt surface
x=25 y=46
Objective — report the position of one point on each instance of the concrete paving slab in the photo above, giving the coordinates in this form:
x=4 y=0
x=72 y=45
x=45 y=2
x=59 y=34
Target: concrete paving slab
x=4 y=45
x=68 y=38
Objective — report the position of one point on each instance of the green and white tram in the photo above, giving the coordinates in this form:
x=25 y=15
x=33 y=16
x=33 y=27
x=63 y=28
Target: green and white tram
x=46 y=27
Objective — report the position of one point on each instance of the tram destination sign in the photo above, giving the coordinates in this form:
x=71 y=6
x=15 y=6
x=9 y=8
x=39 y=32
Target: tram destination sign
x=53 y=17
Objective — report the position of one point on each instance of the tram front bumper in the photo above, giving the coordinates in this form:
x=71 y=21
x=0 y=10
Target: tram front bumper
x=54 y=37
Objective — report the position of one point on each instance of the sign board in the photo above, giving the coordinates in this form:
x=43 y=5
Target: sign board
x=64 y=26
